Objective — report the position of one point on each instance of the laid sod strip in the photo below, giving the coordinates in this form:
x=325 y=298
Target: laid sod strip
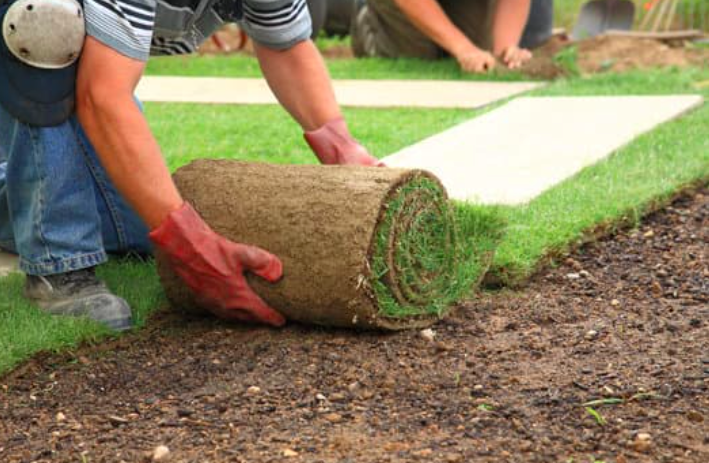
x=619 y=190
x=361 y=247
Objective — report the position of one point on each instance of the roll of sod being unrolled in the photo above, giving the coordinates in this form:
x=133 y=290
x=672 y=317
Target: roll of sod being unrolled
x=361 y=247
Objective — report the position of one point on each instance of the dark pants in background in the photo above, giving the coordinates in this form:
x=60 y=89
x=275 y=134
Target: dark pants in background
x=381 y=29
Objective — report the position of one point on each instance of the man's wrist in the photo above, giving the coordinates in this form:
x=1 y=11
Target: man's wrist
x=464 y=49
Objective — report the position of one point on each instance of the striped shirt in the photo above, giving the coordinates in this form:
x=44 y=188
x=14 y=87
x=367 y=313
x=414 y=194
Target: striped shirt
x=140 y=28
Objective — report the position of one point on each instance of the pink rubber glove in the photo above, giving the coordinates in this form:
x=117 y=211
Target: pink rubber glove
x=213 y=267
x=333 y=144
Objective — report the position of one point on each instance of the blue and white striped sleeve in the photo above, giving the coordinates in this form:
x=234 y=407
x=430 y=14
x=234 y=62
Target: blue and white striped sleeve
x=124 y=25
x=277 y=24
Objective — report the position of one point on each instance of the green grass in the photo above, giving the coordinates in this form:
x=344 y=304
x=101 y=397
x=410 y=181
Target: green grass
x=429 y=252
x=364 y=68
x=25 y=330
x=619 y=189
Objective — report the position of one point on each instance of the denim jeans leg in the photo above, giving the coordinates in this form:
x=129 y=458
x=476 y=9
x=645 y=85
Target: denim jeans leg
x=7 y=241
x=124 y=232
x=48 y=210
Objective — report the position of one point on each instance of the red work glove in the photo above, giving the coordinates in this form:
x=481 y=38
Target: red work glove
x=213 y=267
x=333 y=144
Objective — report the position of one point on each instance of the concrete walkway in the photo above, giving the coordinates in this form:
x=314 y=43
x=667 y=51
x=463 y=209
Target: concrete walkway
x=362 y=93
x=514 y=153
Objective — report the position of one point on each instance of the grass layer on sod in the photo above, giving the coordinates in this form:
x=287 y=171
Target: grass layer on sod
x=619 y=189
x=427 y=255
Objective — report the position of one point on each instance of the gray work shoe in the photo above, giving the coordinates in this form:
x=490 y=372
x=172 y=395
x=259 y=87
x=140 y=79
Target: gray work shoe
x=79 y=294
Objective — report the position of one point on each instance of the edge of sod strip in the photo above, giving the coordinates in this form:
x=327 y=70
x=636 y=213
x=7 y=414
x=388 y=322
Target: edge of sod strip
x=428 y=253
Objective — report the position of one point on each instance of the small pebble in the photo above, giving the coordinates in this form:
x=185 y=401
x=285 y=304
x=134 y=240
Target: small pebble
x=289 y=453
x=428 y=334
x=615 y=302
x=60 y=417
x=117 y=420
x=478 y=387
x=642 y=442
x=320 y=397
x=443 y=347
x=573 y=276
x=648 y=234
x=591 y=335
x=695 y=416
x=161 y=453
x=253 y=390
x=333 y=417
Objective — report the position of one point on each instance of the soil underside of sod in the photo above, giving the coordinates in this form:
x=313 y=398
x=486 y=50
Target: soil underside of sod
x=625 y=319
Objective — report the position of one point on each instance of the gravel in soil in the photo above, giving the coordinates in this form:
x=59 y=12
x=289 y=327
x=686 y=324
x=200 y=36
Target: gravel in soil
x=605 y=357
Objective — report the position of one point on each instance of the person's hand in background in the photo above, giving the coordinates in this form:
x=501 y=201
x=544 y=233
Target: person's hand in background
x=515 y=57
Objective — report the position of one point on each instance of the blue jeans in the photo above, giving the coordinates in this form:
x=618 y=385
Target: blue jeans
x=58 y=209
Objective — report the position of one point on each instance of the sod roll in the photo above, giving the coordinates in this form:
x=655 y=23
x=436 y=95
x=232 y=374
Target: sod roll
x=361 y=247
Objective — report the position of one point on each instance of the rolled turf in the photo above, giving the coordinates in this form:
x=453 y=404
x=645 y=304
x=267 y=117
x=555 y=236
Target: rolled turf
x=361 y=247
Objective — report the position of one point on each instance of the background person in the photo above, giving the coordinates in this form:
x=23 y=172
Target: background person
x=474 y=32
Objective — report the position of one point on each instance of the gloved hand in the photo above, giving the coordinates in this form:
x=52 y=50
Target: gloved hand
x=333 y=144
x=213 y=267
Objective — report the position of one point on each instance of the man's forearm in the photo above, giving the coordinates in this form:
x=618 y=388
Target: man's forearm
x=131 y=156
x=120 y=134
x=430 y=19
x=300 y=81
x=509 y=20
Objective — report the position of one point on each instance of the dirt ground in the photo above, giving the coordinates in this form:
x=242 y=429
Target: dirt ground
x=617 y=54
x=504 y=379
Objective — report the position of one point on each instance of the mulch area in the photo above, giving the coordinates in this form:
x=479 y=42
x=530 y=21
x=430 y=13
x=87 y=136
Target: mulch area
x=625 y=319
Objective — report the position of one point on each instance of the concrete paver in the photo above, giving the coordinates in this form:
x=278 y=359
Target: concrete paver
x=362 y=93
x=515 y=152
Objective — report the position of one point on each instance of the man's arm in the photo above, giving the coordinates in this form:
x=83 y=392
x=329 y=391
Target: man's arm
x=120 y=134
x=430 y=19
x=299 y=79
x=509 y=20
x=210 y=265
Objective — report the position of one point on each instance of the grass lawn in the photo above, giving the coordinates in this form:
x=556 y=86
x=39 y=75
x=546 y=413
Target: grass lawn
x=616 y=190
x=364 y=68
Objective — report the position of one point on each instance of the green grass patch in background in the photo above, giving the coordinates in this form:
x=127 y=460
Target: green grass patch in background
x=363 y=68
x=618 y=189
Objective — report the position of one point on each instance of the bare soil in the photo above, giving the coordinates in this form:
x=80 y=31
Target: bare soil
x=624 y=319
x=617 y=54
